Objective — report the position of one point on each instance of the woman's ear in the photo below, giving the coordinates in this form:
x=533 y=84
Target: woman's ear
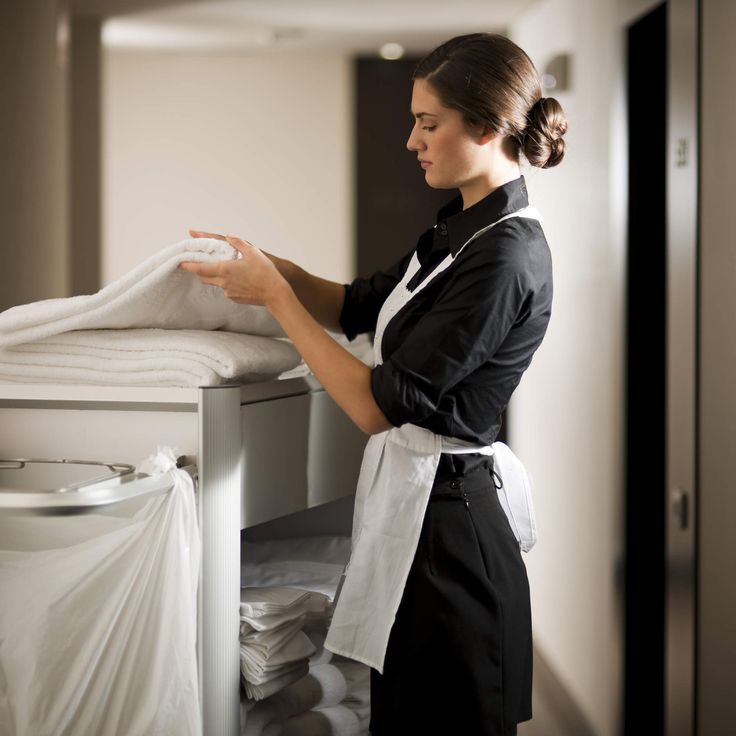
x=486 y=134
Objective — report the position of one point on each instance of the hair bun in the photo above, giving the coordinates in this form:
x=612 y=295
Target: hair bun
x=543 y=143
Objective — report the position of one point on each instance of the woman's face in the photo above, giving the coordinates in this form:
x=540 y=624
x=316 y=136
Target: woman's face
x=451 y=155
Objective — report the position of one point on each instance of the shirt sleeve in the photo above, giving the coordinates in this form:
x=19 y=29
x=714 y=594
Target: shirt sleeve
x=364 y=298
x=487 y=293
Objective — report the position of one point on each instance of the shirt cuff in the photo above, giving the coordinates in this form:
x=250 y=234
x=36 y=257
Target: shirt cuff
x=347 y=316
x=398 y=397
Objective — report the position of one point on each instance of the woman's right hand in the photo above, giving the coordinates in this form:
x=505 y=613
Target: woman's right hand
x=322 y=298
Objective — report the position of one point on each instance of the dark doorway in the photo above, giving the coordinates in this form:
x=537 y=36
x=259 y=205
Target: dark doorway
x=394 y=204
x=645 y=376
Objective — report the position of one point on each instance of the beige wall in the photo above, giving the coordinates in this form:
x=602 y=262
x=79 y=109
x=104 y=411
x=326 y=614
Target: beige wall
x=33 y=200
x=567 y=414
x=716 y=631
x=258 y=146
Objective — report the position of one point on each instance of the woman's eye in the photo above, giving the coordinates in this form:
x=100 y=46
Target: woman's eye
x=428 y=127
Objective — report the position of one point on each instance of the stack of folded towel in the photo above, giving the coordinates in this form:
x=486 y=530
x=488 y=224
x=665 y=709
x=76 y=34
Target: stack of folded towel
x=311 y=706
x=332 y=698
x=153 y=326
x=274 y=651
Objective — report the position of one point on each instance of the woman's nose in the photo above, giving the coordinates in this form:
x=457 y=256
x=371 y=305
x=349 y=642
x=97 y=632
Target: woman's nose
x=414 y=142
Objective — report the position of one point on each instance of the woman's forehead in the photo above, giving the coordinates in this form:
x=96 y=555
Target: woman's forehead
x=424 y=101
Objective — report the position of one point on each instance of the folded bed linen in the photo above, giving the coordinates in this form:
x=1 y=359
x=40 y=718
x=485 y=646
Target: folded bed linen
x=323 y=687
x=154 y=294
x=336 y=720
x=259 y=602
x=274 y=633
x=263 y=690
x=150 y=357
x=259 y=665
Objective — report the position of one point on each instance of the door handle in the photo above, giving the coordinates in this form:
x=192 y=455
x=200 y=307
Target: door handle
x=681 y=507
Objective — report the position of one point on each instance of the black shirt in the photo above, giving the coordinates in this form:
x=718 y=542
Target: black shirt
x=455 y=353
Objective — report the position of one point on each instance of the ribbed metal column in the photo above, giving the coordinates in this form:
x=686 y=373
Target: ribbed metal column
x=220 y=483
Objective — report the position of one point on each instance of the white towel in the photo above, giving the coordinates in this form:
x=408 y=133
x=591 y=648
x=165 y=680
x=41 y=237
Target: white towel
x=154 y=294
x=255 y=721
x=334 y=721
x=274 y=625
x=262 y=607
x=257 y=663
x=320 y=577
x=257 y=602
x=151 y=357
x=358 y=697
x=271 y=638
x=321 y=689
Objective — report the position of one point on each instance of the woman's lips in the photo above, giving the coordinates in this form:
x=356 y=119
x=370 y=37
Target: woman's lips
x=425 y=164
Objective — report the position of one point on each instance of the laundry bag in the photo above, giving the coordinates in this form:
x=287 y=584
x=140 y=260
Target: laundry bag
x=98 y=619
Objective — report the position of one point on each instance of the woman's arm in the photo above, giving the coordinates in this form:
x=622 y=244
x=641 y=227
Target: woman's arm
x=257 y=279
x=345 y=378
x=322 y=298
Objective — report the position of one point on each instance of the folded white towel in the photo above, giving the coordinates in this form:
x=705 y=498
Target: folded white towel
x=358 y=697
x=320 y=577
x=152 y=357
x=258 y=717
x=263 y=690
x=256 y=602
x=257 y=662
x=260 y=603
x=274 y=625
x=154 y=294
x=324 y=686
x=269 y=640
x=334 y=721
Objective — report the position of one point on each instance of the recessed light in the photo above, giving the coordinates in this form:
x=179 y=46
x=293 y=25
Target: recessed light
x=391 y=51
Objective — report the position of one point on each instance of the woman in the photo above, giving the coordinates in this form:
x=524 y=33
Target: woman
x=436 y=597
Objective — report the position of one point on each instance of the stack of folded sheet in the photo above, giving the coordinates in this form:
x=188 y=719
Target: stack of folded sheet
x=156 y=326
x=333 y=697
x=274 y=651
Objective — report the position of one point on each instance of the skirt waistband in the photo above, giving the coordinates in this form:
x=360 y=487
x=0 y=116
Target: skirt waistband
x=478 y=480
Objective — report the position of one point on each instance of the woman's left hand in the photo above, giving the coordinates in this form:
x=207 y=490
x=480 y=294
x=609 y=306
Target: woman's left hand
x=252 y=279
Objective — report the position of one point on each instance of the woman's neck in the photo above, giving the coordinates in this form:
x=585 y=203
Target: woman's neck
x=478 y=189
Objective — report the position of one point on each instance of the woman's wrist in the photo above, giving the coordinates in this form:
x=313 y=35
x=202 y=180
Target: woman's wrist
x=279 y=297
x=288 y=269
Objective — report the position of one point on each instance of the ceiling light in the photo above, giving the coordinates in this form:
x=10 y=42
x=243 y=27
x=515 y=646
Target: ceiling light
x=391 y=51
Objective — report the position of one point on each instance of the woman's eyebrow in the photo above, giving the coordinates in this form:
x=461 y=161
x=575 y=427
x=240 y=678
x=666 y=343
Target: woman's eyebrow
x=420 y=115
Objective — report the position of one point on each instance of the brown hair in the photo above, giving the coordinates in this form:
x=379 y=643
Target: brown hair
x=492 y=82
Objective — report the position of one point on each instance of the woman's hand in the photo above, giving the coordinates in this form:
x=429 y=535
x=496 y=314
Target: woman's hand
x=252 y=279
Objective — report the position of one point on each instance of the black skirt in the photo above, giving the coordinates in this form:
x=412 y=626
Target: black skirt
x=459 y=656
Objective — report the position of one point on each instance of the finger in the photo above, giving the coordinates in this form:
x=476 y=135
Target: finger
x=200 y=269
x=203 y=234
x=239 y=244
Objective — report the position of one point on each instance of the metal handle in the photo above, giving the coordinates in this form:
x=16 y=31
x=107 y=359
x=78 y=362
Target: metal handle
x=681 y=507
x=93 y=499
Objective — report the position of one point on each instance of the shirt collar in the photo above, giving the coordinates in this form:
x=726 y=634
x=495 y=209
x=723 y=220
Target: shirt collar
x=456 y=226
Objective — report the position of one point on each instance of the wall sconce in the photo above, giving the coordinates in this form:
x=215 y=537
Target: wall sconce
x=556 y=74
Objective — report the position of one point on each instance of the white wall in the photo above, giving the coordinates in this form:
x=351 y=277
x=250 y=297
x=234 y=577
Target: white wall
x=252 y=145
x=567 y=414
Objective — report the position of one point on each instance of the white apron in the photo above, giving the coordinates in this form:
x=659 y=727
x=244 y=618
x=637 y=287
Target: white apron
x=394 y=485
